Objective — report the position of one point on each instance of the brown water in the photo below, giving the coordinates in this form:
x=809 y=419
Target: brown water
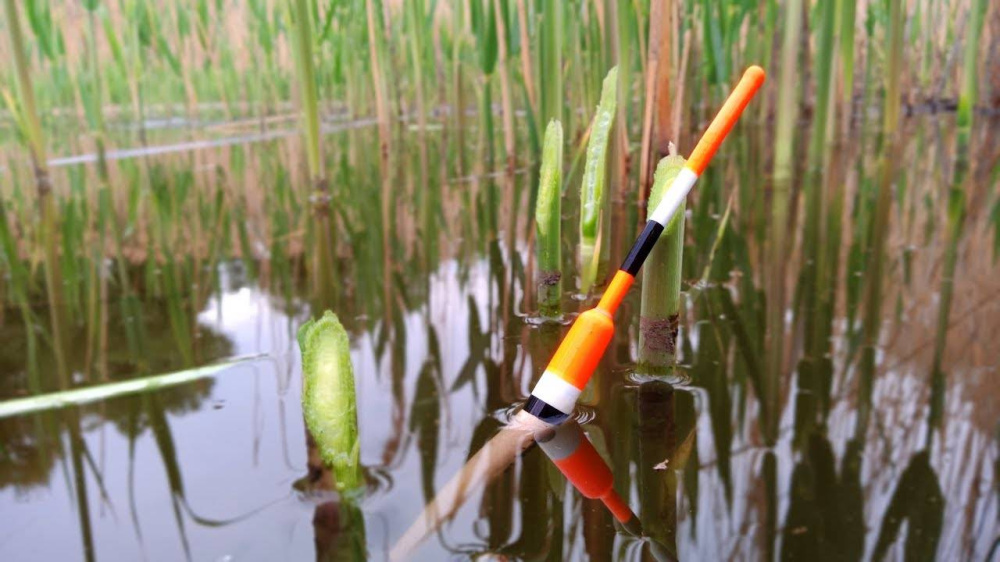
x=445 y=347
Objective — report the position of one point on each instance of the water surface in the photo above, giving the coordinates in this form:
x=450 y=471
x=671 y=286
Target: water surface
x=446 y=345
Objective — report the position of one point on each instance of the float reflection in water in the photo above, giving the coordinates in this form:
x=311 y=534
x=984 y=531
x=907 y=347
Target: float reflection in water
x=569 y=449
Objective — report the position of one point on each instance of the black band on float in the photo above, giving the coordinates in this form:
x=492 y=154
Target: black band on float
x=543 y=411
x=640 y=250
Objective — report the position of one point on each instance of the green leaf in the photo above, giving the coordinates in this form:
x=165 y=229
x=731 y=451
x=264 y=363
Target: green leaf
x=595 y=169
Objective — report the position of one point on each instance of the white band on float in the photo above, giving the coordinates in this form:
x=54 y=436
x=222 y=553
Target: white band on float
x=562 y=443
x=675 y=195
x=556 y=392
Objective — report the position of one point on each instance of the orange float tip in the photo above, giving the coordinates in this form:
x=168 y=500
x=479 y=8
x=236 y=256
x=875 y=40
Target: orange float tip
x=737 y=101
x=617 y=506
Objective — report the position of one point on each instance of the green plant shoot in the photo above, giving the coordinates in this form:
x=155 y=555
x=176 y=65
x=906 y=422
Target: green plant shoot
x=548 y=219
x=329 y=402
x=592 y=188
x=661 y=278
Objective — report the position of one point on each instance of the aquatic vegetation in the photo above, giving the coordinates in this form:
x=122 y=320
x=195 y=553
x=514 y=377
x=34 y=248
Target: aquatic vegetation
x=548 y=221
x=213 y=162
x=329 y=402
x=550 y=46
x=593 y=195
x=879 y=225
x=97 y=393
x=919 y=503
x=322 y=225
x=661 y=279
x=956 y=205
x=26 y=116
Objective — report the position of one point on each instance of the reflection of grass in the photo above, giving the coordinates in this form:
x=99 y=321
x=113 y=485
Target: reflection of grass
x=918 y=502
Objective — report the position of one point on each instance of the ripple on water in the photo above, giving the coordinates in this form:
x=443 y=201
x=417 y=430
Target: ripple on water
x=539 y=320
x=638 y=375
x=507 y=415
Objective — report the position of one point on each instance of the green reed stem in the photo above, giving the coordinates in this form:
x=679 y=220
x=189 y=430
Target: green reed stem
x=871 y=325
x=550 y=68
x=32 y=129
x=787 y=108
x=593 y=195
x=97 y=98
x=848 y=10
x=661 y=279
x=956 y=207
x=324 y=287
x=815 y=285
x=414 y=19
x=305 y=64
x=376 y=54
x=548 y=221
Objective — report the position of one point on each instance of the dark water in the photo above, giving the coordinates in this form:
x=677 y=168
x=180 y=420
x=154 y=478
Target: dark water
x=445 y=346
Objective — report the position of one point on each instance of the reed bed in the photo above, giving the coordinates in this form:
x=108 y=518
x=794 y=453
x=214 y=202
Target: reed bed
x=119 y=74
x=297 y=193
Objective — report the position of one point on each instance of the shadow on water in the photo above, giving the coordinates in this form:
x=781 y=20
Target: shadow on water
x=835 y=458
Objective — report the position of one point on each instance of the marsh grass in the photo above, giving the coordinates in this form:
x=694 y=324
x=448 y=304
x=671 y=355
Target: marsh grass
x=956 y=207
x=141 y=239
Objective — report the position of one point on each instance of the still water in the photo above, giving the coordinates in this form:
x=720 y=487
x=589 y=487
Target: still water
x=445 y=343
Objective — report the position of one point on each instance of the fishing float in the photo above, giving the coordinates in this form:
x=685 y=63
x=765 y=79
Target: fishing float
x=578 y=460
x=554 y=396
x=569 y=449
